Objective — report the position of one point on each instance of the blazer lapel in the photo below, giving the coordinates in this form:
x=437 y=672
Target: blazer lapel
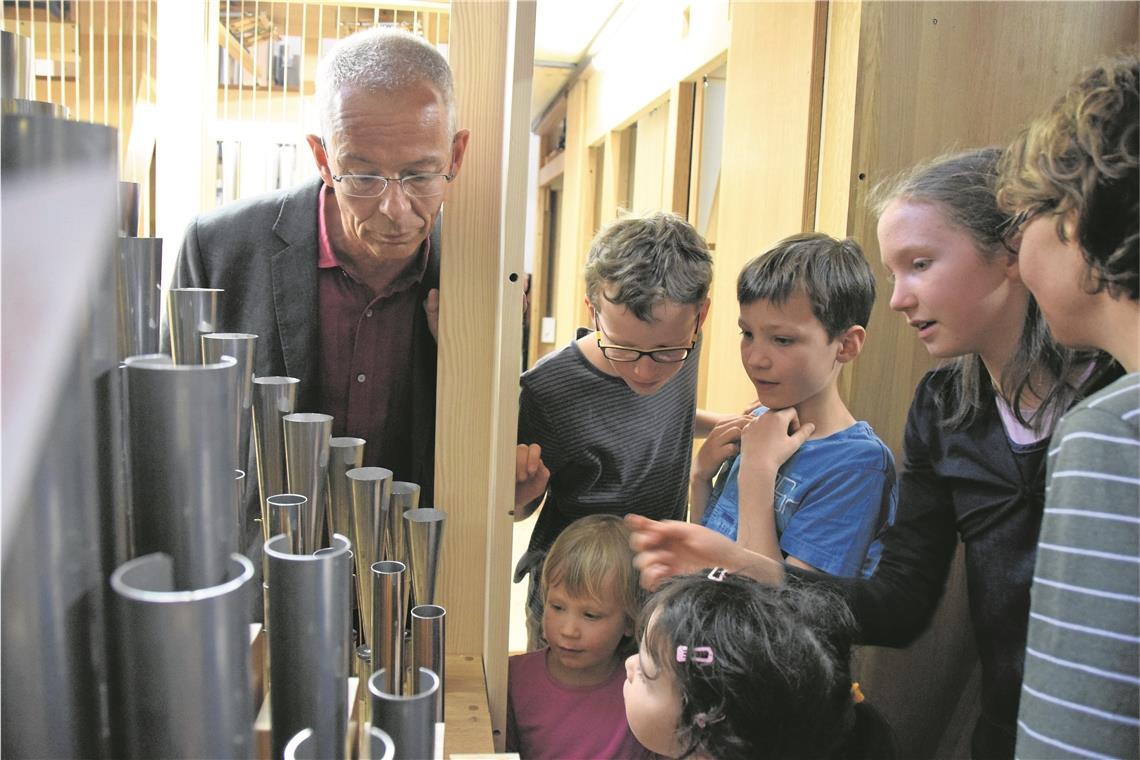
x=294 y=272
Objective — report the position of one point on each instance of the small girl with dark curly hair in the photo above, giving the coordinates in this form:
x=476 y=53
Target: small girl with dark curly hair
x=729 y=668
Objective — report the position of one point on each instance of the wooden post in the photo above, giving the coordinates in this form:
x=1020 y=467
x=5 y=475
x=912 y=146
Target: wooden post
x=480 y=337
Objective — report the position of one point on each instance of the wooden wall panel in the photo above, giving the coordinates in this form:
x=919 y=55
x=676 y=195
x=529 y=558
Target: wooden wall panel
x=657 y=45
x=767 y=153
x=935 y=77
x=577 y=220
x=491 y=53
x=906 y=82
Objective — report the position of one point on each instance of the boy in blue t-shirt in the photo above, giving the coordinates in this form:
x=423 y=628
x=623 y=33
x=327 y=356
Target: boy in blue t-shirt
x=801 y=480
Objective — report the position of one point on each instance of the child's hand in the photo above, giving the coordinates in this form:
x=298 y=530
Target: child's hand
x=531 y=475
x=723 y=441
x=770 y=440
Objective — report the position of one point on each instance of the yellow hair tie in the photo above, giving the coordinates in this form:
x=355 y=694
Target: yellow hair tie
x=856 y=692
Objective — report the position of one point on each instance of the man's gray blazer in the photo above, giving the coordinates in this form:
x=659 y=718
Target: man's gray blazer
x=263 y=252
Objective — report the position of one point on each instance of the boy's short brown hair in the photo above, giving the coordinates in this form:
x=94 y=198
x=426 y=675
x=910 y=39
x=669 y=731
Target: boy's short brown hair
x=832 y=274
x=644 y=260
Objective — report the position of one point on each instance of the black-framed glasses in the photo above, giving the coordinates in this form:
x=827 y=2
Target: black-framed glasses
x=1013 y=226
x=426 y=185
x=666 y=355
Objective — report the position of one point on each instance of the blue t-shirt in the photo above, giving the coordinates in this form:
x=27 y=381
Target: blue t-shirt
x=834 y=498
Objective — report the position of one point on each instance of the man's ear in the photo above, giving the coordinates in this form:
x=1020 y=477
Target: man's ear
x=703 y=313
x=317 y=145
x=850 y=343
x=458 y=150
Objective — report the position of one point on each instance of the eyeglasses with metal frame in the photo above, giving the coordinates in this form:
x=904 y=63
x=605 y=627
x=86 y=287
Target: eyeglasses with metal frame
x=1013 y=226
x=427 y=185
x=666 y=355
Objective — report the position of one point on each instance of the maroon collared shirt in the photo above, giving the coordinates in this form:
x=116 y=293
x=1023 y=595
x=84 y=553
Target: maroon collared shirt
x=366 y=355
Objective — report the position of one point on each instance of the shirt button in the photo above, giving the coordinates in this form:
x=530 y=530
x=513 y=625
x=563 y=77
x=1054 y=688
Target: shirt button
x=360 y=378
x=368 y=313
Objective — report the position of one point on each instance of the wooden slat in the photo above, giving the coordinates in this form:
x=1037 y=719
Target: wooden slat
x=480 y=332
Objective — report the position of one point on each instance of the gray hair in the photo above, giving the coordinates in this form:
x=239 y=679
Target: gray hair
x=382 y=60
x=648 y=259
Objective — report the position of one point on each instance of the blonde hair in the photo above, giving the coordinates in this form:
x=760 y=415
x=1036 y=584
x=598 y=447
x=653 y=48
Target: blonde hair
x=592 y=558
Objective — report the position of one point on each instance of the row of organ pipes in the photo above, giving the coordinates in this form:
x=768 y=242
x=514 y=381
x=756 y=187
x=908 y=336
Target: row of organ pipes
x=130 y=590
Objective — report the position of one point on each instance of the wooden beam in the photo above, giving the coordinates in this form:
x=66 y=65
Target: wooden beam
x=552 y=169
x=480 y=333
x=235 y=49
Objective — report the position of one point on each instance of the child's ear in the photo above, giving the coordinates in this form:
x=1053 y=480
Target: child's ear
x=850 y=343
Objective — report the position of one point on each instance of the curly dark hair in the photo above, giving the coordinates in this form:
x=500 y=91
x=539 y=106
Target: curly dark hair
x=1081 y=158
x=779 y=684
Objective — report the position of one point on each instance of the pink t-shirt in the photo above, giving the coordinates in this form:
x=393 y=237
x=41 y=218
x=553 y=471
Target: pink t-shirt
x=547 y=720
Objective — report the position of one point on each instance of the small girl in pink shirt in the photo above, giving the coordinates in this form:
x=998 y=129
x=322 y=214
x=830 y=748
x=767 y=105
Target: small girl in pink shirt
x=565 y=701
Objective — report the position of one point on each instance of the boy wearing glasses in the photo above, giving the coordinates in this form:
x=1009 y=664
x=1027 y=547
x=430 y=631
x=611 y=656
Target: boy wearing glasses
x=606 y=424
x=811 y=485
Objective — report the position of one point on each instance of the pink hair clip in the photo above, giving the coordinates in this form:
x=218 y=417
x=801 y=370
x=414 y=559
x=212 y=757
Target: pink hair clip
x=717 y=574
x=703 y=720
x=702 y=655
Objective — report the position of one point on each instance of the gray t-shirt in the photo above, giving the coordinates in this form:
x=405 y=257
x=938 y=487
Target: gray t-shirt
x=609 y=450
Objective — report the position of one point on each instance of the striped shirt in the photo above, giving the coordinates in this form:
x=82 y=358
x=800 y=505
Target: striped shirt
x=1081 y=692
x=609 y=450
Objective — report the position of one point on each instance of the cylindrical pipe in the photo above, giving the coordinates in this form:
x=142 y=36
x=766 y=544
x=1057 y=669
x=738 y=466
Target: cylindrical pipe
x=128 y=208
x=370 y=489
x=39 y=108
x=424 y=529
x=362 y=669
x=181 y=684
x=307 y=437
x=16 y=66
x=389 y=597
x=405 y=496
x=239 y=500
x=428 y=646
x=377 y=745
x=139 y=296
x=285 y=519
x=182 y=464
x=273 y=398
x=309 y=620
x=55 y=424
x=191 y=313
x=345 y=453
x=240 y=346
x=408 y=719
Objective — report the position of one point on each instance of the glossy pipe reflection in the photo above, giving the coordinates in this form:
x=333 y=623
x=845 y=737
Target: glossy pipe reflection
x=345 y=453
x=428 y=646
x=284 y=511
x=405 y=496
x=180 y=682
x=182 y=464
x=139 y=295
x=408 y=719
x=389 y=599
x=191 y=313
x=371 y=491
x=424 y=528
x=240 y=346
x=310 y=626
x=307 y=438
x=273 y=398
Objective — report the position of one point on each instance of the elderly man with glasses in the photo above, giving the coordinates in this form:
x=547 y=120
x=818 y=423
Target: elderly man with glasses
x=339 y=277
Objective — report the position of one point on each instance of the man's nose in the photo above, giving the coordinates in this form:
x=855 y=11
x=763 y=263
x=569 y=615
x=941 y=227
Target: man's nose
x=394 y=201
